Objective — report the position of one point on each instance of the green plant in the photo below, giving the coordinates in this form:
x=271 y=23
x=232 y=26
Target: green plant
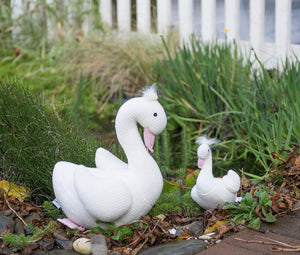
x=23 y=240
x=211 y=89
x=33 y=138
x=252 y=209
x=117 y=233
x=175 y=199
x=52 y=211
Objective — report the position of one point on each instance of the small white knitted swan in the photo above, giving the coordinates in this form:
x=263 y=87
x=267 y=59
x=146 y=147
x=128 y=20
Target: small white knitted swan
x=116 y=191
x=210 y=191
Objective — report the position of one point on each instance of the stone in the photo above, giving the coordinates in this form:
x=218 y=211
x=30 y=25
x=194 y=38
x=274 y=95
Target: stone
x=99 y=246
x=19 y=227
x=83 y=245
x=196 y=228
x=179 y=231
x=54 y=252
x=7 y=222
x=188 y=247
x=115 y=253
x=60 y=234
x=63 y=244
x=48 y=244
x=32 y=216
x=6 y=213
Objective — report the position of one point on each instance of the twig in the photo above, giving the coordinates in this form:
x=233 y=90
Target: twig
x=9 y=206
x=177 y=185
x=295 y=209
x=283 y=244
x=285 y=249
x=140 y=247
x=276 y=243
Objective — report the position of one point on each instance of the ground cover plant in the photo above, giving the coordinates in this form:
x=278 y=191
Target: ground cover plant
x=33 y=138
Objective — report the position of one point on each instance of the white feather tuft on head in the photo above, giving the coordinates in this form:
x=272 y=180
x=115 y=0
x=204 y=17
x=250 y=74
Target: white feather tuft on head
x=150 y=93
x=205 y=140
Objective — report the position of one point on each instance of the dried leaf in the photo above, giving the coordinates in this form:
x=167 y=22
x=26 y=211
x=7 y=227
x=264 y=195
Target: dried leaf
x=245 y=182
x=224 y=228
x=215 y=226
x=11 y=189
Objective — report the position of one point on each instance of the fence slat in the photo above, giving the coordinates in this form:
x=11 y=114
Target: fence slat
x=124 y=15
x=232 y=19
x=283 y=16
x=257 y=21
x=87 y=23
x=208 y=20
x=105 y=10
x=185 y=9
x=163 y=16
x=143 y=17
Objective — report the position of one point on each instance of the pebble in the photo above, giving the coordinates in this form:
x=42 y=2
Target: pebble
x=6 y=213
x=48 y=243
x=33 y=216
x=63 y=244
x=99 y=246
x=115 y=253
x=60 y=234
x=19 y=227
x=188 y=247
x=196 y=228
x=54 y=252
x=83 y=245
x=7 y=221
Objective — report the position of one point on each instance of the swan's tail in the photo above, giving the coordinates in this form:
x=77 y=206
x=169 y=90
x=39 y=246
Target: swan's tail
x=232 y=181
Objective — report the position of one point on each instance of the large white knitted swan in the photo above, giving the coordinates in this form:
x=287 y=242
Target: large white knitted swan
x=210 y=191
x=115 y=191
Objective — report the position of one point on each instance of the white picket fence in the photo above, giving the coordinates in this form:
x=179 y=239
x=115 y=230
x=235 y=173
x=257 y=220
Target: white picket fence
x=269 y=53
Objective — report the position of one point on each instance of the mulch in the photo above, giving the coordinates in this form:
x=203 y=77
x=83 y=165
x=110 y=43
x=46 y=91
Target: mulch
x=152 y=231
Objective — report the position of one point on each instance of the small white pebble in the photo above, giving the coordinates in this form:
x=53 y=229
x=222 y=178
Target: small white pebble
x=205 y=237
x=83 y=245
x=172 y=231
x=219 y=241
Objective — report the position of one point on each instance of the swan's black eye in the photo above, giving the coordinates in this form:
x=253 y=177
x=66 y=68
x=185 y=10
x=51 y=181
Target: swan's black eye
x=155 y=114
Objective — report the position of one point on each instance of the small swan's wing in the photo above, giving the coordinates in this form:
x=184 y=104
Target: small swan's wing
x=104 y=195
x=105 y=160
x=232 y=181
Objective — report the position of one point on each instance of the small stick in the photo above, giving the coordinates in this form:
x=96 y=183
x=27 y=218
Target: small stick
x=276 y=243
x=297 y=208
x=9 y=206
x=285 y=249
x=177 y=185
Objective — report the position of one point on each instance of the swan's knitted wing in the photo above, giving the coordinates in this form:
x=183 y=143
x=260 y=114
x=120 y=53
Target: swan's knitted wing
x=232 y=181
x=104 y=195
x=105 y=160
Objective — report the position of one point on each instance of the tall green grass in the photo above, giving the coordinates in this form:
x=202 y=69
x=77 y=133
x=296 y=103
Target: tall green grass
x=33 y=138
x=212 y=90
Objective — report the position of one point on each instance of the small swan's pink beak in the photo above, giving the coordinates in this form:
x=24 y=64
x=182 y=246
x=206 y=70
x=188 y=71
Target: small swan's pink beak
x=201 y=162
x=149 y=139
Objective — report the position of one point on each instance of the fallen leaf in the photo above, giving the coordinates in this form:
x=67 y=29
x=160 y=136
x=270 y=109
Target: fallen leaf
x=215 y=226
x=244 y=181
x=11 y=189
x=223 y=228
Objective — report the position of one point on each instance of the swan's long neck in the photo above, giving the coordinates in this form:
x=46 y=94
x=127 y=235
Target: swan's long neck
x=131 y=141
x=207 y=167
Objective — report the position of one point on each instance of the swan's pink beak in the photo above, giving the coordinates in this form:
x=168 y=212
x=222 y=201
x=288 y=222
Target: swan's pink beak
x=201 y=162
x=149 y=138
